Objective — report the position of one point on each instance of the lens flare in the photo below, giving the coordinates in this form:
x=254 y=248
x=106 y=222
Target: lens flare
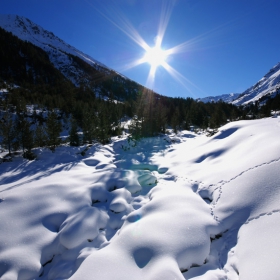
x=155 y=55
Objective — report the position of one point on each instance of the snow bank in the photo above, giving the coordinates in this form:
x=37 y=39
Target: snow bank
x=173 y=207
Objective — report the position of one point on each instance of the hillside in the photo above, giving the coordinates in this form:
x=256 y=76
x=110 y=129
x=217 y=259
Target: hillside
x=228 y=98
x=76 y=66
x=170 y=207
x=266 y=88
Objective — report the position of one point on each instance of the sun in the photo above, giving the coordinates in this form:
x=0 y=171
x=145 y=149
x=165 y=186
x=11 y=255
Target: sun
x=155 y=56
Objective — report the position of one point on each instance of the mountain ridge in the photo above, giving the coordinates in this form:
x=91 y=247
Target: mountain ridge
x=228 y=98
x=26 y=30
x=267 y=87
x=82 y=69
x=76 y=66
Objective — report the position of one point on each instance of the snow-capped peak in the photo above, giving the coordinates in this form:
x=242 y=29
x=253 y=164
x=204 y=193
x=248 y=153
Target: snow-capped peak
x=266 y=86
x=228 y=98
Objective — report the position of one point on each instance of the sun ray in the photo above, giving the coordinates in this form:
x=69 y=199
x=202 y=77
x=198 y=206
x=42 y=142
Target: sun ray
x=180 y=78
x=132 y=64
x=127 y=28
x=166 y=10
x=154 y=55
x=193 y=44
x=151 y=77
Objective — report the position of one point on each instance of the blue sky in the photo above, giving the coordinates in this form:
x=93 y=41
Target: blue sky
x=226 y=45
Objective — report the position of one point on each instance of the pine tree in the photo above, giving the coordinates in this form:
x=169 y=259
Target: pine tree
x=135 y=128
x=24 y=135
x=53 y=130
x=89 y=123
x=7 y=131
x=104 y=126
x=40 y=137
x=187 y=122
x=175 y=120
x=161 y=117
x=74 y=136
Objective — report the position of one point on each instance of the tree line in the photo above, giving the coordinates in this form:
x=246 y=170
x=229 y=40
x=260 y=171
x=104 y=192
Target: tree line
x=153 y=113
x=21 y=130
x=94 y=119
x=18 y=132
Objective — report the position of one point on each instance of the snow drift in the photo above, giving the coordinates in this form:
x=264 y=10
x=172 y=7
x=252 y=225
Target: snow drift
x=170 y=207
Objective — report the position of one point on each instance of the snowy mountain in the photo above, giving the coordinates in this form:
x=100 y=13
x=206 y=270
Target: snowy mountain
x=57 y=49
x=170 y=207
x=80 y=68
x=228 y=98
x=267 y=86
x=72 y=63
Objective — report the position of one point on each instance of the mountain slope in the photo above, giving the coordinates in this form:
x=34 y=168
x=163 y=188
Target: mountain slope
x=76 y=66
x=23 y=62
x=56 y=48
x=228 y=98
x=268 y=86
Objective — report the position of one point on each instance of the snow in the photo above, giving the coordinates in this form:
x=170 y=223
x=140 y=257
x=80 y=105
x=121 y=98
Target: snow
x=266 y=86
x=26 y=30
x=228 y=98
x=3 y=90
x=250 y=244
x=57 y=50
x=182 y=206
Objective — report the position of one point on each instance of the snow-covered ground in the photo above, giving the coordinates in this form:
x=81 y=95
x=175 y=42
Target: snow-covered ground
x=171 y=207
x=3 y=91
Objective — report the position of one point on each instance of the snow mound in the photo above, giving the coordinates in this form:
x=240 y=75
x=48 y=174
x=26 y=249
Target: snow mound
x=172 y=207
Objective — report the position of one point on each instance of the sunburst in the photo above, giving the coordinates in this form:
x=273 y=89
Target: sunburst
x=154 y=55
